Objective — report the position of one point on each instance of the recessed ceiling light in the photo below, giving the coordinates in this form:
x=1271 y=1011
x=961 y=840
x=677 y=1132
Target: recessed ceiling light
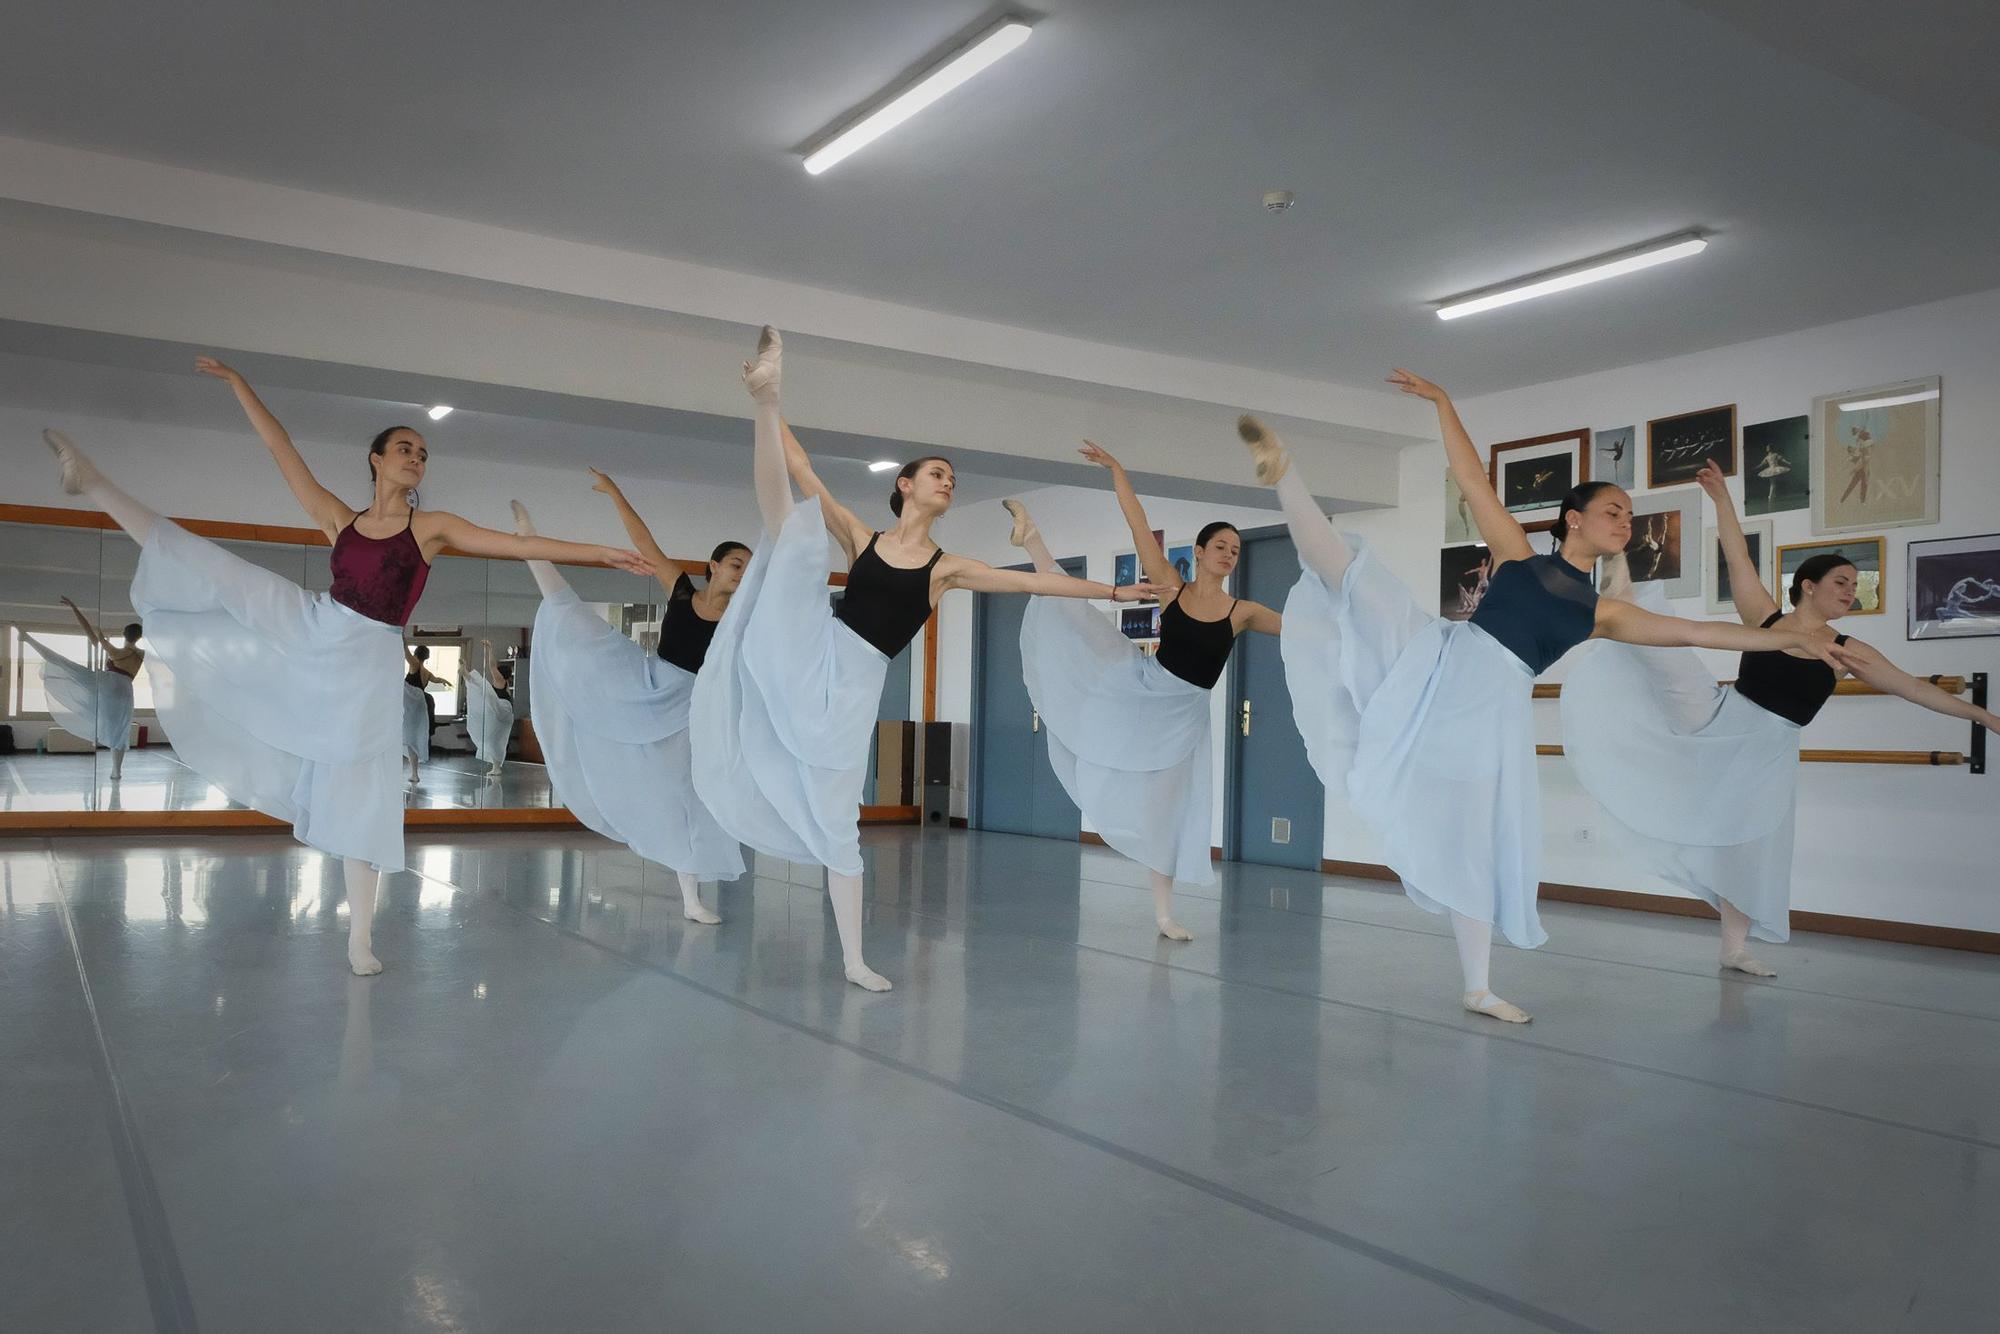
x=1895 y=401
x=881 y=465
x=975 y=56
x=1595 y=269
x=440 y=412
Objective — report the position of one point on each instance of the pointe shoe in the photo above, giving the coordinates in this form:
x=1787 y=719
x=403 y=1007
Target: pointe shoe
x=1265 y=449
x=522 y=523
x=1490 y=1005
x=364 y=964
x=861 y=975
x=1740 y=962
x=761 y=376
x=1173 y=930
x=1024 y=527
x=77 y=471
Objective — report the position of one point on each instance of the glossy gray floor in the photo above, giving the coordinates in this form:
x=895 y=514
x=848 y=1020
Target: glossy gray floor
x=563 y=1107
x=154 y=779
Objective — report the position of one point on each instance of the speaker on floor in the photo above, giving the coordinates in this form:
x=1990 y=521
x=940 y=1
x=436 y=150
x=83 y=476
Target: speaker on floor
x=936 y=796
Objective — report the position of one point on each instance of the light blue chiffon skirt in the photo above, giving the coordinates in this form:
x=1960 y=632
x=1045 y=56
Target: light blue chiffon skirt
x=1128 y=739
x=1704 y=782
x=416 y=723
x=784 y=706
x=1427 y=725
x=613 y=723
x=489 y=720
x=284 y=699
x=95 y=706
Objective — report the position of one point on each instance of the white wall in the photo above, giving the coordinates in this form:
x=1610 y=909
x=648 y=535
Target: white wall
x=1906 y=844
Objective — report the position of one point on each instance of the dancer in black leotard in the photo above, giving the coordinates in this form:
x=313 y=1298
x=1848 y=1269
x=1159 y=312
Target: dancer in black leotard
x=1129 y=735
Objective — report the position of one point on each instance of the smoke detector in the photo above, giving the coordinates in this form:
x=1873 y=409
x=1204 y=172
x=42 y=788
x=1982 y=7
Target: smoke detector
x=1277 y=201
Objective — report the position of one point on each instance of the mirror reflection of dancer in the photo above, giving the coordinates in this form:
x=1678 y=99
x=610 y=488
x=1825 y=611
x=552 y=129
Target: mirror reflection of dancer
x=784 y=708
x=489 y=710
x=1428 y=723
x=612 y=718
x=1128 y=732
x=1771 y=467
x=289 y=701
x=1860 y=450
x=94 y=705
x=419 y=707
x=1705 y=777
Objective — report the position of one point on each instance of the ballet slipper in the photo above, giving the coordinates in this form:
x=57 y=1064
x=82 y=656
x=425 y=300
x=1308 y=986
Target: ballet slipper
x=1024 y=527
x=695 y=912
x=1173 y=930
x=1265 y=449
x=77 y=471
x=1490 y=1005
x=760 y=377
x=861 y=975
x=1739 y=961
x=522 y=523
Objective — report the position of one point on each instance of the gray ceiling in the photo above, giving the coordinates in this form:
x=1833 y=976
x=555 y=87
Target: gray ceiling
x=1104 y=182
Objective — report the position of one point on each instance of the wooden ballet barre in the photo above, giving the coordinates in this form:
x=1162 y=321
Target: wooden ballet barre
x=1951 y=685
x=1927 y=758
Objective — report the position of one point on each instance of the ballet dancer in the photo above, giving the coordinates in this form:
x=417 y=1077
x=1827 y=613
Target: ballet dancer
x=489 y=711
x=1426 y=722
x=286 y=700
x=419 y=709
x=786 y=704
x=88 y=703
x=1704 y=777
x=613 y=718
x=1128 y=733
x=1771 y=467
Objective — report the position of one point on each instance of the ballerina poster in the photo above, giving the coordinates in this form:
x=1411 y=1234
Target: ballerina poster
x=1776 y=467
x=1955 y=588
x=1874 y=457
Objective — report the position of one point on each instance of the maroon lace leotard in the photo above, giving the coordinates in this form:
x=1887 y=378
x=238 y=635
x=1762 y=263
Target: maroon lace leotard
x=380 y=577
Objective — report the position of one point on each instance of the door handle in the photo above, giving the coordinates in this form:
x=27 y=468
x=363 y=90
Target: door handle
x=1034 y=720
x=1246 y=717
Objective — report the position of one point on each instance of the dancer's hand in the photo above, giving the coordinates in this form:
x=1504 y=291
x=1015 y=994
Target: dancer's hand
x=1711 y=480
x=210 y=366
x=1828 y=652
x=620 y=559
x=1101 y=456
x=1411 y=383
x=1141 y=592
x=601 y=482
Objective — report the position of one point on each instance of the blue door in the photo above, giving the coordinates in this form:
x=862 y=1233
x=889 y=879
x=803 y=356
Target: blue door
x=1014 y=789
x=1276 y=810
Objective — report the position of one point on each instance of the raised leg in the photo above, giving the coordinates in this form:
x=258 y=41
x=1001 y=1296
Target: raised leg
x=80 y=477
x=546 y=579
x=773 y=480
x=1321 y=548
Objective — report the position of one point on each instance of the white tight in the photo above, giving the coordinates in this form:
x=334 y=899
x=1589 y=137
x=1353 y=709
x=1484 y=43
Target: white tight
x=1320 y=546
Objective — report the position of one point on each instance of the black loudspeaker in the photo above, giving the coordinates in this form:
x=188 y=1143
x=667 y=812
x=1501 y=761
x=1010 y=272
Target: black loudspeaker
x=936 y=797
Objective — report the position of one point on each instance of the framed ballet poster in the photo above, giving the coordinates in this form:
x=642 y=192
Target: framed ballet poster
x=1180 y=555
x=1715 y=587
x=1532 y=476
x=1458 y=525
x=1666 y=542
x=1462 y=575
x=1616 y=459
x=1777 y=471
x=1867 y=553
x=1954 y=588
x=1141 y=622
x=1677 y=447
x=1874 y=456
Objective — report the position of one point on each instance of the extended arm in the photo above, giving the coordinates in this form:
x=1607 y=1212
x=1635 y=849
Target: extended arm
x=1502 y=532
x=1754 y=603
x=1629 y=624
x=443 y=530
x=328 y=512
x=95 y=635
x=636 y=531
x=1261 y=618
x=850 y=532
x=1151 y=558
x=979 y=577
x=1869 y=666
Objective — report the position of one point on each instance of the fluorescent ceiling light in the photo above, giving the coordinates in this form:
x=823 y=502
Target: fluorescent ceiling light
x=982 y=51
x=440 y=412
x=1595 y=269
x=1896 y=402
x=881 y=465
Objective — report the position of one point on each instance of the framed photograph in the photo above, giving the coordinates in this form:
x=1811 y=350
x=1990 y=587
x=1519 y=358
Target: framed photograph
x=1139 y=622
x=1180 y=555
x=1676 y=447
x=1757 y=533
x=1615 y=457
x=1777 y=473
x=1874 y=455
x=1666 y=542
x=1462 y=575
x=1955 y=588
x=1458 y=525
x=1868 y=556
x=1124 y=569
x=1532 y=476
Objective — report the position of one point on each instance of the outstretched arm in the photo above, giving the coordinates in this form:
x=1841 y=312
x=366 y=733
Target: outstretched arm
x=1502 y=532
x=439 y=530
x=1151 y=558
x=636 y=531
x=95 y=635
x=1261 y=618
x=1754 y=603
x=1630 y=624
x=849 y=531
x=1869 y=666
x=328 y=512
x=979 y=577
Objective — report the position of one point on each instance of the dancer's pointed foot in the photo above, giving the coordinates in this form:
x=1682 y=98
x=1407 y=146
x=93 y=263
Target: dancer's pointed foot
x=1266 y=450
x=362 y=962
x=760 y=377
x=694 y=912
x=1739 y=961
x=1024 y=527
x=1173 y=930
x=522 y=523
x=1490 y=1005
x=861 y=975
x=78 y=472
